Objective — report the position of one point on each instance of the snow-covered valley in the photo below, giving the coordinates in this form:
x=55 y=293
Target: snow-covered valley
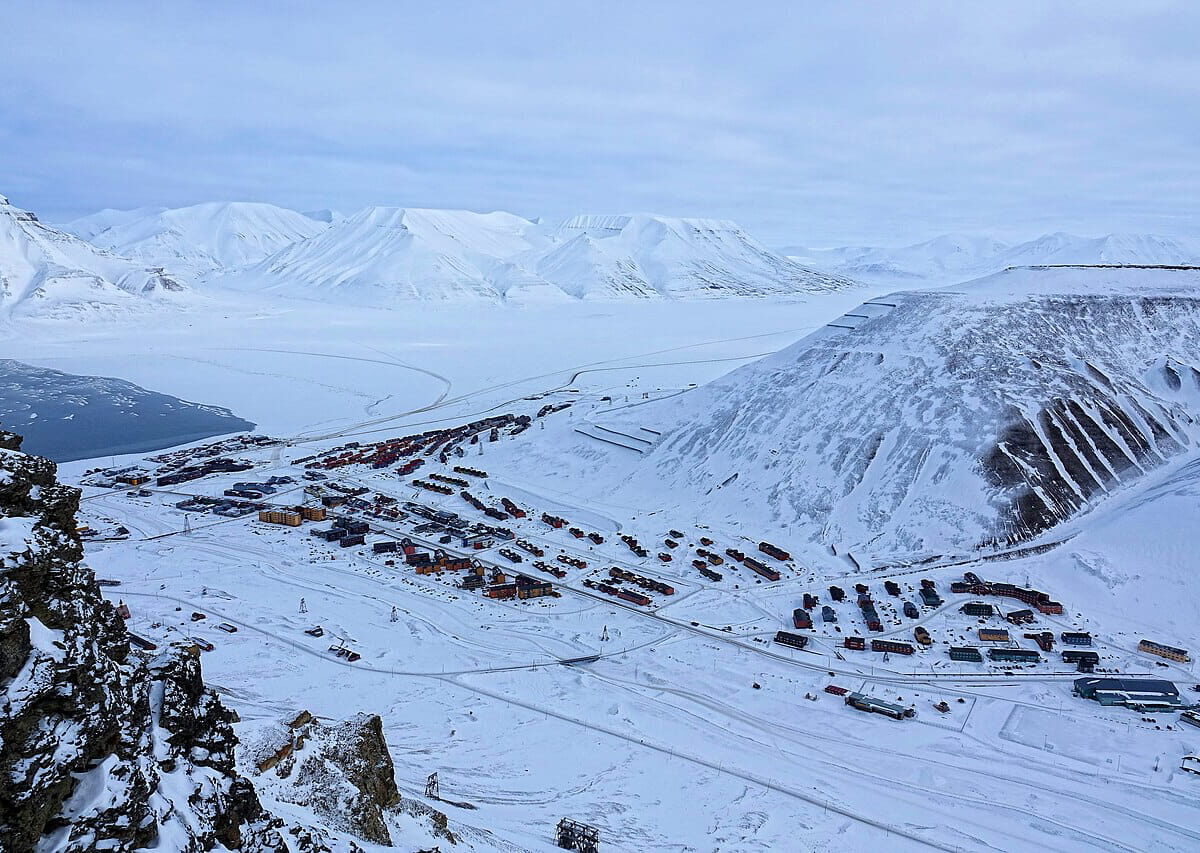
x=619 y=661
x=692 y=726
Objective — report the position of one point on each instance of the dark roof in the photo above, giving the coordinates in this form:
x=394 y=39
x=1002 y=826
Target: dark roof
x=1127 y=685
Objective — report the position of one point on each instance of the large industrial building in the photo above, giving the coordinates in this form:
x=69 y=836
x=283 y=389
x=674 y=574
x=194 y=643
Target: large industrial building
x=1138 y=693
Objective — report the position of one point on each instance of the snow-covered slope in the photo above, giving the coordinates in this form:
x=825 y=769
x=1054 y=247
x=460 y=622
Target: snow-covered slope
x=647 y=255
x=1062 y=248
x=958 y=257
x=202 y=239
x=386 y=254
x=382 y=255
x=87 y=227
x=586 y=267
x=45 y=272
x=944 y=257
x=936 y=420
x=326 y=215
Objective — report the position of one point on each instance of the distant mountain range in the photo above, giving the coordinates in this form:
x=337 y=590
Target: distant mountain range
x=393 y=255
x=47 y=273
x=383 y=255
x=957 y=257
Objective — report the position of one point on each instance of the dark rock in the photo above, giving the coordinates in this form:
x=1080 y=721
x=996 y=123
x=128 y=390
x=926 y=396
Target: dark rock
x=82 y=760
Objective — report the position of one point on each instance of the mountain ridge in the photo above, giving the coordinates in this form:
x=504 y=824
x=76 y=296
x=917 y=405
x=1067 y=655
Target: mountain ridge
x=48 y=273
x=383 y=254
x=949 y=258
x=202 y=239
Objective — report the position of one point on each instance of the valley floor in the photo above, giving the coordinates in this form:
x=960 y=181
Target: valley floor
x=690 y=730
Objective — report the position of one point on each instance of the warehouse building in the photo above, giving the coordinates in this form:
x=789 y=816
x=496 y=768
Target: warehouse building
x=1141 y=694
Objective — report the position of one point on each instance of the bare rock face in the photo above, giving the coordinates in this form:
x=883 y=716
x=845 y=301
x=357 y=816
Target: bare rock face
x=342 y=770
x=101 y=748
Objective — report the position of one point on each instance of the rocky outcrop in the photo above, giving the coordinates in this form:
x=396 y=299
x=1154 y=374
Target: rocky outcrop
x=342 y=770
x=103 y=747
x=100 y=747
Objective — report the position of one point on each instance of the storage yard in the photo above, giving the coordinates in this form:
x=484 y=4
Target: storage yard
x=409 y=560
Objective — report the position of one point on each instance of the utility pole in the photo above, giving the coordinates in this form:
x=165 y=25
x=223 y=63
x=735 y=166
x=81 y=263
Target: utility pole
x=432 y=791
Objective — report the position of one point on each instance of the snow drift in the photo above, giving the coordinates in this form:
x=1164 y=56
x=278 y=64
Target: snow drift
x=45 y=272
x=935 y=420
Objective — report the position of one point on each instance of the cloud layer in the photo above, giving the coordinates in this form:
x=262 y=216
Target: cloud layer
x=810 y=123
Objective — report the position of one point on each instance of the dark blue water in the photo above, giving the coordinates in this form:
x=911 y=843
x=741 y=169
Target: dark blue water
x=66 y=417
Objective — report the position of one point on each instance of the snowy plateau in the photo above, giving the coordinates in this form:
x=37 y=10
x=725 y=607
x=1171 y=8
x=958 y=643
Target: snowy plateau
x=599 y=467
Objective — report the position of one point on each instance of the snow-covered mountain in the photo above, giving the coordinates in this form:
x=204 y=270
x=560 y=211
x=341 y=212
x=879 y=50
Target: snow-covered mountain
x=944 y=257
x=958 y=257
x=45 y=272
x=931 y=421
x=197 y=241
x=1063 y=248
x=387 y=254
x=646 y=255
x=382 y=255
x=87 y=227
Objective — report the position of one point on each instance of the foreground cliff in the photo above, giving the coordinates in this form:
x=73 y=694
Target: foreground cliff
x=101 y=749
x=104 y=748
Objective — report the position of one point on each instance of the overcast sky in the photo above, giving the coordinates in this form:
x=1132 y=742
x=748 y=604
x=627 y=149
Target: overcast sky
x=811 y=123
